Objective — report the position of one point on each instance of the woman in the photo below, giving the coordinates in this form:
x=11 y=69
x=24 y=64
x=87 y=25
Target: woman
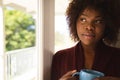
x=94 y=24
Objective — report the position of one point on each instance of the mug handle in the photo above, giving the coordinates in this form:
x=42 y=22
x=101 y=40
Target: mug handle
x=75 y=74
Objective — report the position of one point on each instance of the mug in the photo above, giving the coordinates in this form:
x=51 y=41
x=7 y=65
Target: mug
x=87 y=74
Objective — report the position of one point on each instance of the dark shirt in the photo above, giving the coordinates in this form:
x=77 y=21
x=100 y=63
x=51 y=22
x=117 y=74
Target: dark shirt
x=107 y=60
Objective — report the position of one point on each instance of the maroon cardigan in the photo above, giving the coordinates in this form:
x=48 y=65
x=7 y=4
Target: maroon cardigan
x=107 y=60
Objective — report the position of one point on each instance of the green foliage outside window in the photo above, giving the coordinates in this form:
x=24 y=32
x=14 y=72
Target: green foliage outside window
x=19 y=30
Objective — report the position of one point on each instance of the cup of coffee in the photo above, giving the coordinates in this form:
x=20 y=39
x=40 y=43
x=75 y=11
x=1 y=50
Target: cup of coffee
x=87 y=74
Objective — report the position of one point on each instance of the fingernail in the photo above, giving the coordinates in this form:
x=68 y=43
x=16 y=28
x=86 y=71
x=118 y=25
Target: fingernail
x=74 y=70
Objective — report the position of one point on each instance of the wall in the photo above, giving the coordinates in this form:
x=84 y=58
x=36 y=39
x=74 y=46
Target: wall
x=48 y=36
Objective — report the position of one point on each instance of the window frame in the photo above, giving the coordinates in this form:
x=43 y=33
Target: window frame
x=2 y=51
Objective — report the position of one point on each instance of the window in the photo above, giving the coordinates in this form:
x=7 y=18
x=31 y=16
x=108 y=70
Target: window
x=20 y=22
x=19 y=29
x=12 y=61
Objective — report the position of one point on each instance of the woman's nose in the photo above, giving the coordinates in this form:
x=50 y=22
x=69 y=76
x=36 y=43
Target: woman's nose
x=90 y=26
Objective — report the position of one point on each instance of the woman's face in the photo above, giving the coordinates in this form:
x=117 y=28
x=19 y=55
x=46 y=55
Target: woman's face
x=90 y=27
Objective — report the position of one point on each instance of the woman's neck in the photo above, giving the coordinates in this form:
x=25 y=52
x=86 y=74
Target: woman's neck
x=89 y=48
x=89 y=54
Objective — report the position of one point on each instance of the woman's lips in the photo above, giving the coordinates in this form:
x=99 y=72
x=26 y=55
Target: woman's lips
x=88 y=35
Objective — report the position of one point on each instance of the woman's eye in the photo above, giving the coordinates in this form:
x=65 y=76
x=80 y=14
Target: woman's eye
x=99 y=22
x=82 y=20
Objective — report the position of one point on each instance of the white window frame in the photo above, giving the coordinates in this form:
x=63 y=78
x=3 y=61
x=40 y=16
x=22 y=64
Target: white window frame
x=45 y=37
x=2 y=51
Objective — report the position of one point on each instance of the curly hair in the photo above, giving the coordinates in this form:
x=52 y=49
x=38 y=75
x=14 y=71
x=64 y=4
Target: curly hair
x=107 y=8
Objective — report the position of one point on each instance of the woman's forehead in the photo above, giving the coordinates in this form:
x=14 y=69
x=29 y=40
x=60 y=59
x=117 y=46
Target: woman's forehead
x=90 y=11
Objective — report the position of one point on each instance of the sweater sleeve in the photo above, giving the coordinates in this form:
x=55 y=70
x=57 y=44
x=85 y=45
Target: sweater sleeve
x=62 y=62
x=55 y=67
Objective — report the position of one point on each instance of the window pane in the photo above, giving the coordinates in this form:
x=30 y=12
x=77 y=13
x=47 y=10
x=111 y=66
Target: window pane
x=19 y=29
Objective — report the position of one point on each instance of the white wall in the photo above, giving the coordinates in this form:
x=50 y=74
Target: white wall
x=48 y=36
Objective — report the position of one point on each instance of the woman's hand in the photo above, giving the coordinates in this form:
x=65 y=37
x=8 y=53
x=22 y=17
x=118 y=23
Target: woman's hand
x=68 y=76
x=107 y=78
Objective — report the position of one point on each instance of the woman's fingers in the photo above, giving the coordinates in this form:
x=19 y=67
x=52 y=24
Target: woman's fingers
x=68 y=76
x=70 y=73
